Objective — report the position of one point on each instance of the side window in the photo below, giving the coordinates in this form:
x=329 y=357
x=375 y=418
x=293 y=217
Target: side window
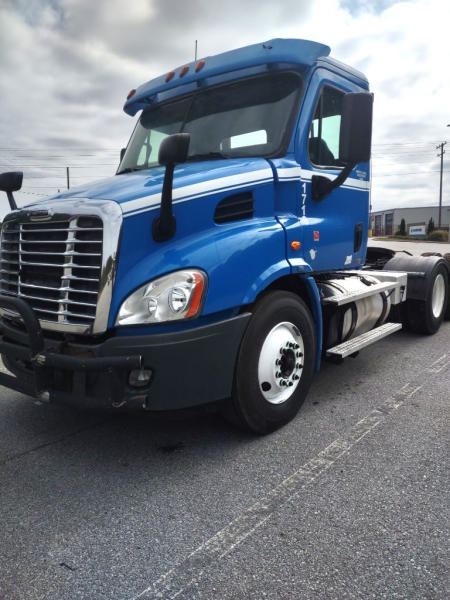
x=323 y=142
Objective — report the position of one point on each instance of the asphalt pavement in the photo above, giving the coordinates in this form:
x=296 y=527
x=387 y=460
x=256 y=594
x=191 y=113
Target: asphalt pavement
x=350 y=500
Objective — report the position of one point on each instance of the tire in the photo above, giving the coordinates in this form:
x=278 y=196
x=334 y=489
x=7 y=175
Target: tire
x=426 y=316
x=447 y=312
x=279 y=345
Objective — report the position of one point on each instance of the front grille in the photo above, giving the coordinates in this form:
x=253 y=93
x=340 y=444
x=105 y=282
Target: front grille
x=55 y=266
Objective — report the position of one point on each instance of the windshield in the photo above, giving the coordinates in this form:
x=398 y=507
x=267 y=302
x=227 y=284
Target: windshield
x=251 y=117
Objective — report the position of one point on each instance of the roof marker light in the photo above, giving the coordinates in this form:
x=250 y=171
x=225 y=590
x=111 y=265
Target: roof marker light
x=184 y=70
x=200 y=65
x=169 y=76
x=130 y=94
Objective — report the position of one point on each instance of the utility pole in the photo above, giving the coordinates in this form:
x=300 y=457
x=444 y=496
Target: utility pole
x=441 y=156
x=68 y=179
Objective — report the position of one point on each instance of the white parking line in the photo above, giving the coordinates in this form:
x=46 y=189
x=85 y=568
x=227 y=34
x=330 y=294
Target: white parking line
x=189 y=571
x=443 y=362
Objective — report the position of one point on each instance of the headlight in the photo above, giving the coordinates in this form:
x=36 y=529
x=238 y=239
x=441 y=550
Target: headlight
x=169 y=298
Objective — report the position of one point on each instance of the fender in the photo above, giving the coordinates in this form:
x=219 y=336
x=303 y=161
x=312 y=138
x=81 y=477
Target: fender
x=419 y=269
x=316 y=307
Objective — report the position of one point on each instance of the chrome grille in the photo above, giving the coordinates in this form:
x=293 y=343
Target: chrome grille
x=55 y=266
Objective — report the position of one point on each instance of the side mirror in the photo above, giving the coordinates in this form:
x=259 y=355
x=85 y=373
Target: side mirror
x=9 y=183
x=173 y=149
x=355 y=138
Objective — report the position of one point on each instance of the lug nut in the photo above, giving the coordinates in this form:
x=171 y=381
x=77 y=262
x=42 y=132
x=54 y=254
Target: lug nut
x=278 y=374
x=299 y=366
x=296 y=346
x=283 y=383
x=299 y=354
x=278 y=362
x=290 y=384
x=295 y=377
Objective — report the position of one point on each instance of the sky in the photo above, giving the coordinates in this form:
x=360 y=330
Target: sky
x=67 y=65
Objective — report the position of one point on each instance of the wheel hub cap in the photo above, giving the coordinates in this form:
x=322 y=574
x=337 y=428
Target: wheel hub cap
x=438 y=297
x=280 y=363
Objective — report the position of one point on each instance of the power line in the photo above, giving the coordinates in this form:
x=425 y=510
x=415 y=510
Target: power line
x=408 y=173
x=87 y=149
x=89 y=166
x=75 y=148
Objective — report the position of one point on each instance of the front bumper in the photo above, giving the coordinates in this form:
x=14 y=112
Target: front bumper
x=188 y=368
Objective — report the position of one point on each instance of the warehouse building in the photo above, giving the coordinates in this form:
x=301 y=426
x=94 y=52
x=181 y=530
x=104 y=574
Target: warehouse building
x=387 y=222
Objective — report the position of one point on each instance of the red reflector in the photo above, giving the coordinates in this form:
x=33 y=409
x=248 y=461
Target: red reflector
x=316 y=236
x=199 y=66
x=130 y=94
x=184 y=70
x=169 y=76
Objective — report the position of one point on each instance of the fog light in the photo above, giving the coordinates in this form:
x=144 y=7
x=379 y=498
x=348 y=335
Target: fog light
x=139 y=377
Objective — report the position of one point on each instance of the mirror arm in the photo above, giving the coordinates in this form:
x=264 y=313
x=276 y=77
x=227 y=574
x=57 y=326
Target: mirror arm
x=11 y=201
x=164 y=226
x=322 y=186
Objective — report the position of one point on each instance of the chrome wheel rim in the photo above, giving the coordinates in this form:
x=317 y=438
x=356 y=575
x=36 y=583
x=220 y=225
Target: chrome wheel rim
x=438 y=296
x=280 y=363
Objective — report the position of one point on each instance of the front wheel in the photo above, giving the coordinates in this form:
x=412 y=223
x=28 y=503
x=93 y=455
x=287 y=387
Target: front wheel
x=275 y=364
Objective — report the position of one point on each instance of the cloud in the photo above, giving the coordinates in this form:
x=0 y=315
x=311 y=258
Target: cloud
x=67 y=65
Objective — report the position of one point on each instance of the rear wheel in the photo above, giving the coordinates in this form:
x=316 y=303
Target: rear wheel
x=426 y=316
x=275 y=364
x=447 y=312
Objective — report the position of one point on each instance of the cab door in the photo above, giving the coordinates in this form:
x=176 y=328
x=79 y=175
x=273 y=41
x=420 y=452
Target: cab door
x=335 y=228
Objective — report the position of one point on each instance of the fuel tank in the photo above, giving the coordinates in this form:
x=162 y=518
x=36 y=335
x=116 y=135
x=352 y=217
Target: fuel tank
x=349 y=320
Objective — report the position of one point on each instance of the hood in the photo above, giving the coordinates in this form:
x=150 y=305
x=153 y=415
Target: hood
x=200 y=241
x=140 y=191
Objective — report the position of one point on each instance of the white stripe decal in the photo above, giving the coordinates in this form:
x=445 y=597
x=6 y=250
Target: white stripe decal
x=359 y=184
x=187 y=198
x=289 y=173
x=232 y=182
x=295 y=173
x=188 y=192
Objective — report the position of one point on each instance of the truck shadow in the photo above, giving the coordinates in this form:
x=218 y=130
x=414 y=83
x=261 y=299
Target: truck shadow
x=340 y=394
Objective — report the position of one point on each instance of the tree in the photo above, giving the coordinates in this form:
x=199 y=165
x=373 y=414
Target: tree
x=430 y=226
x=402 y=229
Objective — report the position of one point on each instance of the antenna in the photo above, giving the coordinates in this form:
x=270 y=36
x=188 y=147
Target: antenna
x=195 y=57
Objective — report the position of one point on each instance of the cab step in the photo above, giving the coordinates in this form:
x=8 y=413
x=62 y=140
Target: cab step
x=355 y=344
x=371 y=290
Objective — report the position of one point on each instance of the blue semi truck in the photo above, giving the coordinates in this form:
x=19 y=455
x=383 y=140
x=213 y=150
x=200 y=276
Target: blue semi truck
x=225 y=259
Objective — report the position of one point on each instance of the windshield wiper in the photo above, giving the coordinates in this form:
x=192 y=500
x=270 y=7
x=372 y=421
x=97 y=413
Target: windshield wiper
x=129 y=170
x=206 y=156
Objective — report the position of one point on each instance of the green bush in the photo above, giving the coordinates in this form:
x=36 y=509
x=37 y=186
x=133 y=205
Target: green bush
x=438 y=235
x=430 y=226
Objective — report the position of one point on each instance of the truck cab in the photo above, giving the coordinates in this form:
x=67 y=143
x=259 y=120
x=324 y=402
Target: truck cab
x=223 y=260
